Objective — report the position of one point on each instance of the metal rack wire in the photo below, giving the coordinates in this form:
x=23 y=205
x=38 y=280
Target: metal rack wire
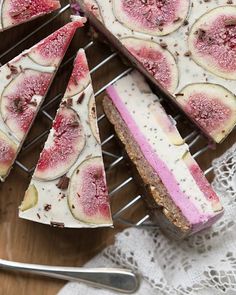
x=192 y=138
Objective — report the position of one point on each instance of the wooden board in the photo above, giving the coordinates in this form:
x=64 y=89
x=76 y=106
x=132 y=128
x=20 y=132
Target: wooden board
x=29 y=242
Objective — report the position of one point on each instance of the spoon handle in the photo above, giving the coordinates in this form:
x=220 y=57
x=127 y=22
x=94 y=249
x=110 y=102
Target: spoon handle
x=117 y=279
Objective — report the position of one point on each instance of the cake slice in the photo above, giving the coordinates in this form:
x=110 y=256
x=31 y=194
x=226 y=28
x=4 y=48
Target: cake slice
x=24 y=82
x=175 y=45
x=177 y=191
x=15 y=12
x=68 y=188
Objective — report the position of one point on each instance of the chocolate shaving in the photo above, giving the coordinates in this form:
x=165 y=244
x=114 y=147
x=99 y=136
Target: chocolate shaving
x=63 y=183
x=57 y=224
x=18 y=105
x=188 y=53
x=230 y=22
x=33 y=103
x=201 y=34
x=81 y=98
x=177 y=19
x=163 y=45
x=47 y=207
x=69 y=102
x=74 y=124
x=179 y=94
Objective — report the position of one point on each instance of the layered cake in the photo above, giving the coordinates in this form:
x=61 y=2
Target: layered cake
x=186 y=48
x=178 y=193
x=24 y=82
x=15 y=12
x=68 y=188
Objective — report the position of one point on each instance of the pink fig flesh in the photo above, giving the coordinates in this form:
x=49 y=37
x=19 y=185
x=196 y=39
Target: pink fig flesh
x=65 y=143
x=7 y=154
x=80 y=77
x=211 y=106
x=154 y=17
x=21 y=98
x=51 y=50
x=212 y=42
x=158 y=61
x=18 y=11
x=88 y=196
x=202 y=182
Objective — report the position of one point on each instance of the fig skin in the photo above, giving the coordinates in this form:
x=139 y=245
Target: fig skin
x=93 y=118
x=30 y=199
x=211 y=106
x=8 y=150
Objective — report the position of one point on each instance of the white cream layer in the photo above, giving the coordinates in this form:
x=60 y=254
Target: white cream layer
x=143 y=107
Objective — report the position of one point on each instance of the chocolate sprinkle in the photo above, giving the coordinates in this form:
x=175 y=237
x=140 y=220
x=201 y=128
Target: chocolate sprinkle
x=63 y=183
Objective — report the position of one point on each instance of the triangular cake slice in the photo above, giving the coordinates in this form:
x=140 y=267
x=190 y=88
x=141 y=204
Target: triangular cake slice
x=178 y=192
x=15 y=12
x=68 y=188
x=24 y=83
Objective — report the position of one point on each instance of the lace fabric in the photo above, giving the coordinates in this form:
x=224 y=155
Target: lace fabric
x=203 y=264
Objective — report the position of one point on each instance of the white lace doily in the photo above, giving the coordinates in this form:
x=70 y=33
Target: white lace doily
x=204 y=264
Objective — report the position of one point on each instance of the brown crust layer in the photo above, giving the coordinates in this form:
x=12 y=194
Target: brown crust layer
x=159 y=201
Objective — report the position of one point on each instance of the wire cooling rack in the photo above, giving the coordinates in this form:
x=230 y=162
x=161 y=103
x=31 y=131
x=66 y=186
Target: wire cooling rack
x=113 y=160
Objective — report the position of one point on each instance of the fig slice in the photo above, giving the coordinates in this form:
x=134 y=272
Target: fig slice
x=93 y=118
x=168 y=125
x=21 y=100
x=88 y=196
x=8 y=151
x=30 y=199
x=202 y=182
x=154 y=17
x=15 y=12
x=63 y=147
x=158 y=61
x=212 y=41
x=211 y=106
x=49 y=51
x=80 y=78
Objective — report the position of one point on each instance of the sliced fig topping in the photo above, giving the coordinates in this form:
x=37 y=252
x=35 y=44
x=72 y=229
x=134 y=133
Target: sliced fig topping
x=7 y=154
x=30 y=198
x=93 y=118
x=168 y=125
x=202 y=182
x=211 y=106
x=88 y=196
x=52 y=49
x=158 y=61
x=212 y=42
x=154 y=17
x=63 y=183
x=65 y=143
x=21 y=98
x=18 y=11
x=80 y=77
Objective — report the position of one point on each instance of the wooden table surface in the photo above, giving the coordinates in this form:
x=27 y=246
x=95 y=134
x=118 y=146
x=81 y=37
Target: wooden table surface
x=25 y=241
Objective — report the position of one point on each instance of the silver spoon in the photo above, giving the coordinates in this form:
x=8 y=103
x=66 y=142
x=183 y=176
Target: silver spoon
x=117 y=279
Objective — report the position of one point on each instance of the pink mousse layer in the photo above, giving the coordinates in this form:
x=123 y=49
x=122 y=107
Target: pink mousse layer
x=188 y=209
